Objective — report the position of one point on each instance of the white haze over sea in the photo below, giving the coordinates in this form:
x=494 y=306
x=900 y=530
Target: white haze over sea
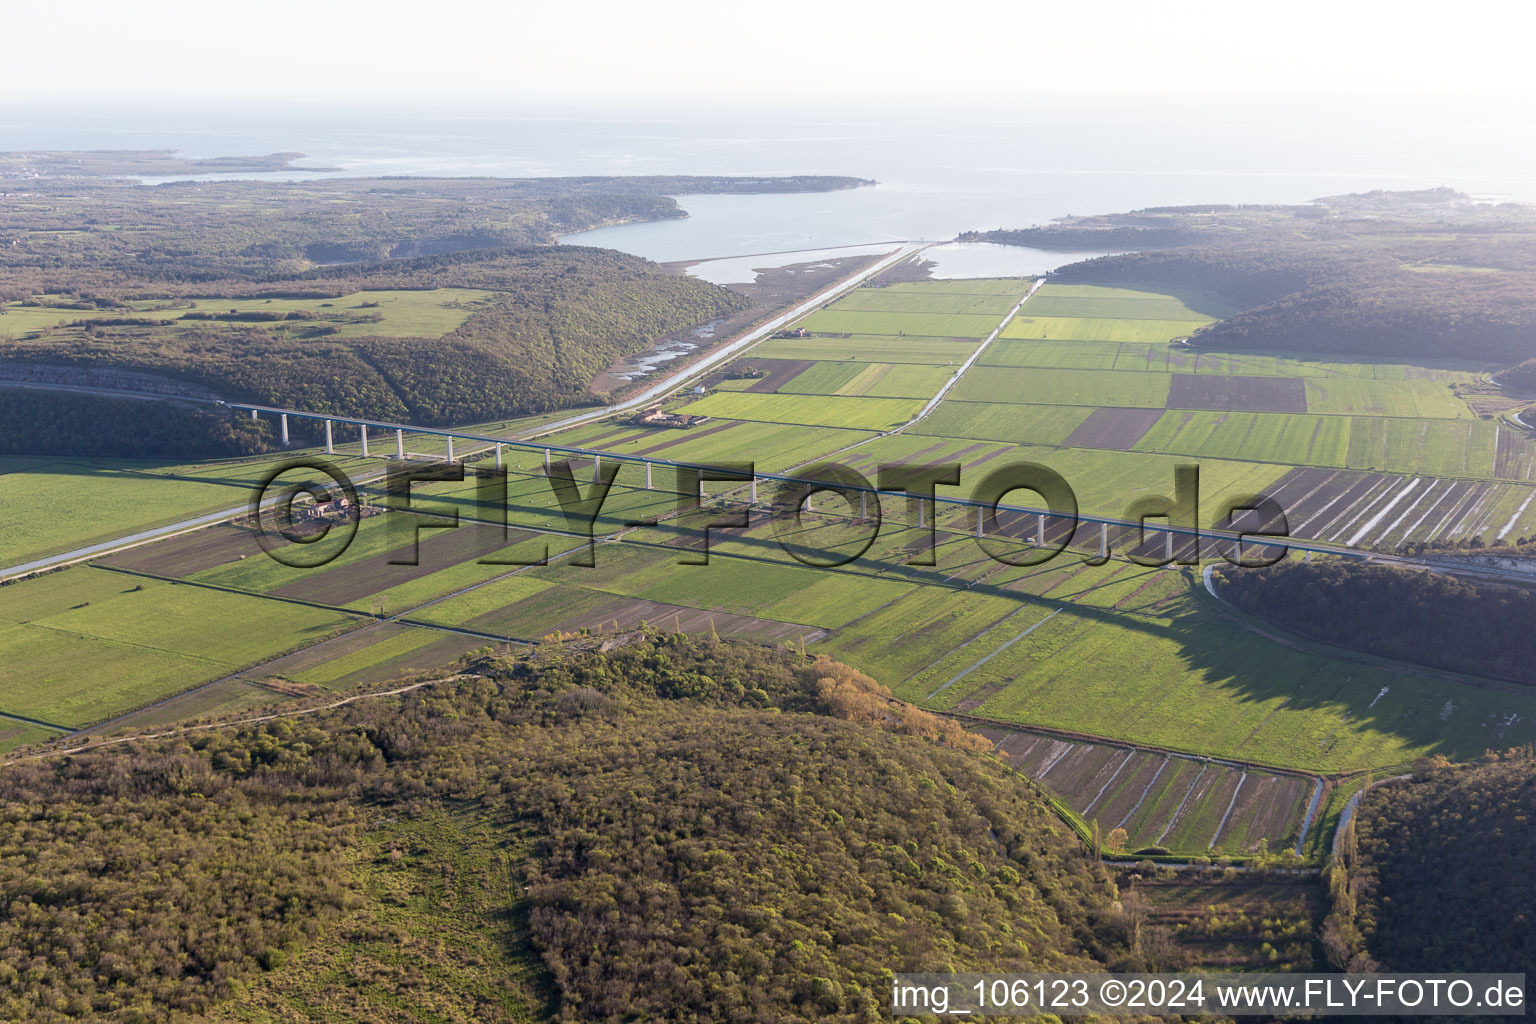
x=941 y=169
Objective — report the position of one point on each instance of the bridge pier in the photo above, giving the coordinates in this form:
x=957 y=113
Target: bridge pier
x=283 y=419
x=498 y=454
x=978 y=520
x=362 y=439
x=253 y=414
x=1104 y=541
x=400 y=445
x=330 y=446
x=647 y=476
x=753 y=497
x=450 y=447
x=546 y=460
x=1040 y=531
x=1168 y=545
x=597 y=468
x=863 y=504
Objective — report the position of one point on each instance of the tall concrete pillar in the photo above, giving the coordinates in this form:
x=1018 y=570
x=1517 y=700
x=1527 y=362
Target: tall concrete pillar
x=863 y=504
x=920 y=507
x=647 y=476
x=283 y=419
x=1168 y=544
x=450 y=447
x=1103 y=540
x=253 y=414
x=400 y=445
x=330 y=447
x=362 y=438
x=498 y=454
x=754 y=491
x=597 y=468
x=978 y=520
x=1309 y=558
x=1040 y=532
x=546 y=458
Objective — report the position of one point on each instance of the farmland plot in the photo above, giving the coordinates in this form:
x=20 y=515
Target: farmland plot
x=887 y=300
x=1423 y=399
x=809 y=410
x=921 y=325
x=1064 y=387
x=1072 y=328
x=874 y=349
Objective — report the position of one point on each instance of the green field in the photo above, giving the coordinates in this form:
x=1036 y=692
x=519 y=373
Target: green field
x=55 y=505
x=810 y=410
x=926 y=325
x=86 y=644
x=1423 y=399
x=1072 y=355
x=1080 y=300
x=1064 y=387
x=1020 y=424
x=1253 y=437
x=1179 y=675
x=886 y=300
x=1459 y=448
x=873 y=380
x=870 y=348
x=1078 y=328
x=430 y=312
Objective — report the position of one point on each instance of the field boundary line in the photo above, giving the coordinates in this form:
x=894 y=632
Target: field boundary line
x=66 y=729
x=1167 y=760
x=1130 y=755
x=1178 y=813
x=1228 y=816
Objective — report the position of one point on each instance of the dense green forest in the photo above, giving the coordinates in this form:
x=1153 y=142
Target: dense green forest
x=40 y=422
x=1438 y=873
x=677 y=829
x=1429 y=274
x=1425 y=617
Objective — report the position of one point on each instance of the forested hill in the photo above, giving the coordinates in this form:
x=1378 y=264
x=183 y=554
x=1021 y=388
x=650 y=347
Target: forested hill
x=533 y=327
x=1428 y=274
x=105 y=237
x=679 y=829
x=430 y=301
x=1442 y=870
x=1423 y=617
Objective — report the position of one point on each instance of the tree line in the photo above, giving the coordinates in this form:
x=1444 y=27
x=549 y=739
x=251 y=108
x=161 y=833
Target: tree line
x=1424 y=617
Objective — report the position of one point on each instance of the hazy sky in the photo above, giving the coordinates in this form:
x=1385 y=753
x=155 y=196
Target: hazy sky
x=707 y=49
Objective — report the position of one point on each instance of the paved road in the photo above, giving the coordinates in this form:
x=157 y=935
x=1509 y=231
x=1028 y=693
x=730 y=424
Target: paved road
x=752 y=337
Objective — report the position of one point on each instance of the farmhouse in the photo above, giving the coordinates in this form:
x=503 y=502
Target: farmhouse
x=655 y=417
